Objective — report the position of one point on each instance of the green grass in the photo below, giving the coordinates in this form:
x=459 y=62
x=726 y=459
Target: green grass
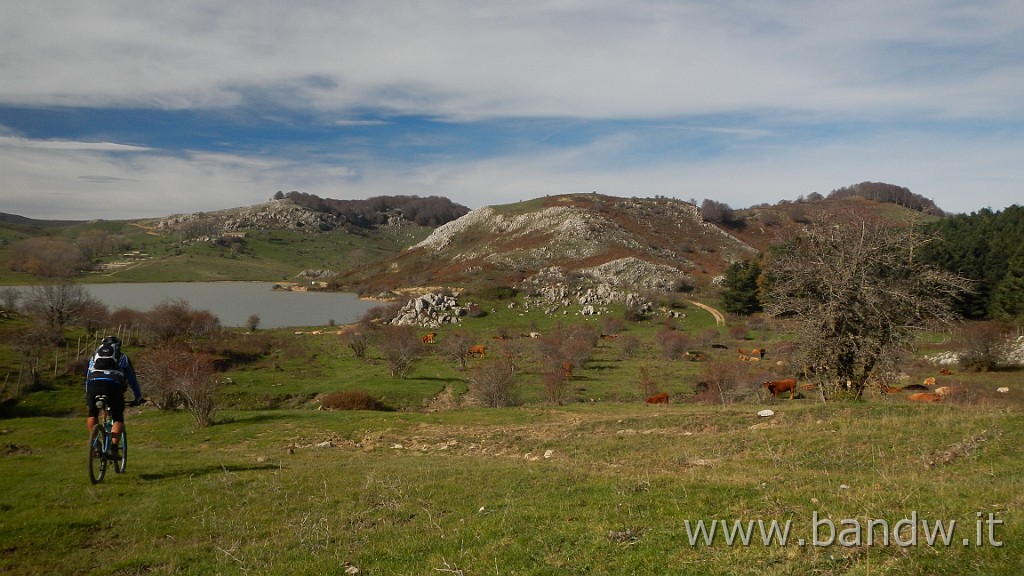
x=263 y=255
x=471 y=490
x=601 y=485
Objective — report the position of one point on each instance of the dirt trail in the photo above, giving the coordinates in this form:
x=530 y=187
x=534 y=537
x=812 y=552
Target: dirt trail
x=719 y=317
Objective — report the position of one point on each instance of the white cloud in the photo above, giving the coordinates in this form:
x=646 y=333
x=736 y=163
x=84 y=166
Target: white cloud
x=789 y=67
x=466 y=59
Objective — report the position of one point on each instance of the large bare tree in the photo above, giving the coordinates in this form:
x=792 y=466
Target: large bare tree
x=857 y=296
x=61 y=304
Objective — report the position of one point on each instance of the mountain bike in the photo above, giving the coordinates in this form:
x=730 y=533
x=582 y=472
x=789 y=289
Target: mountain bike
x=99 y=442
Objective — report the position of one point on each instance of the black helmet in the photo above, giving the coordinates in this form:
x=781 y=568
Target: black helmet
x=111 y=340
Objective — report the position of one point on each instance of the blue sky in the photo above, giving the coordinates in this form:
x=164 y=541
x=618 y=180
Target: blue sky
x=138 y=108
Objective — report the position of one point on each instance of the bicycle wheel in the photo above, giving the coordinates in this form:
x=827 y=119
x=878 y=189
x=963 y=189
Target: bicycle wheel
x=123 y=462
x=97 y=461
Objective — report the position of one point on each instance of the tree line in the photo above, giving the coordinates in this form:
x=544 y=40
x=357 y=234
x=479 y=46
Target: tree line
x=431 y=211
x=985 y=248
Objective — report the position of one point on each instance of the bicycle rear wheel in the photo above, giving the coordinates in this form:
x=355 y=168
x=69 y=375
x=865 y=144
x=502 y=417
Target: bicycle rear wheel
x=123 y=462
x=97 y=460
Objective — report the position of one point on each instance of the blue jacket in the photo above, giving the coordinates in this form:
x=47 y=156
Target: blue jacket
x=126 y=368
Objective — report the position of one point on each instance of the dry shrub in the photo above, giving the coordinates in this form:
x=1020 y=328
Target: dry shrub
x=400 y=346
x=646 y=383
x=453 y=346
x=673 y=344
x=357 y=338
x=174 y=376
x=985 y=345
x=723 y=382
x=355 y=399
x=493 y=382
x=629 y=345
x=555 y=382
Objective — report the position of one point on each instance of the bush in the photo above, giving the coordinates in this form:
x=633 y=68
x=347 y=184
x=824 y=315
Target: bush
x=493 y=382
x=673 y=344
x=647 y=385
x=355 y=399
x=985 y=345
x=174 y=376
x=400 y=346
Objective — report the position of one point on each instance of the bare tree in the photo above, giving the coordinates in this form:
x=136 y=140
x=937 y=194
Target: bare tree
x=61 y=304
x=453 y=346
x=46 y=256
x=357 y=338
x=401 y=346
x=857 y=295
x=493 y=382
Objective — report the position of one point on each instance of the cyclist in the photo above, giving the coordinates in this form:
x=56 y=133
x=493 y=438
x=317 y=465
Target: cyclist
x=110 y=373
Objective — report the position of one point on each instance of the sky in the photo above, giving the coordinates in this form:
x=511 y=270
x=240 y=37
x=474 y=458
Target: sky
x=135 y=109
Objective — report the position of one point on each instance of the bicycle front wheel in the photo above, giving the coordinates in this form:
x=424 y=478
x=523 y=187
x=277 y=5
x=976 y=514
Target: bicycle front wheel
x=122 y=464
x=97 y=461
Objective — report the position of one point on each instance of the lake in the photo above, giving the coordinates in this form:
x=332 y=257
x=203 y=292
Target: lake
x=235 y=302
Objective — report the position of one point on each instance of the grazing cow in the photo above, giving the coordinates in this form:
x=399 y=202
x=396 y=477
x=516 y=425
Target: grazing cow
x=946 y=372
x=476 y=350
x=757 y=352
x=943 y=390
x=658 y=399
x=567 y=370
x=778 y=386
x=929 y=382
x=927 y=397
x=429 y=338
x=1003 y=390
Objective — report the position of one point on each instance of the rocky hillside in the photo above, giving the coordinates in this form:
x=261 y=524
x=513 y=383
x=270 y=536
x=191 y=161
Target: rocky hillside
x=273 y=215
x=629 y=244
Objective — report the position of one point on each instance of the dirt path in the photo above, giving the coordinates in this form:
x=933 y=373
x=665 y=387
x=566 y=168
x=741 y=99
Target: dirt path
x=719 y=317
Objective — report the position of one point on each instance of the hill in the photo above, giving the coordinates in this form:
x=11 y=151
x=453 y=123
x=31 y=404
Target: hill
x=642 y=244
x=390 y=243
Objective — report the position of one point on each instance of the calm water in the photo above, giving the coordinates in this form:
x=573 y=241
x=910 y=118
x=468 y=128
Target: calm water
x=234 y=302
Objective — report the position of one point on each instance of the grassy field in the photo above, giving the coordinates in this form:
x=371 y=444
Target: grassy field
x=600 y=484
x=603 y=484
x=603 y=488
x=263 y=255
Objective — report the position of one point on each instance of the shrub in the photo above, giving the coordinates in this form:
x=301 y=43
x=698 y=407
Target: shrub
x=174 y=376
x=985 y=345
x=400 y=346
x=355 y=399
x=673 y=344
x=646 y=383
x=722 y=382
x=493 y=382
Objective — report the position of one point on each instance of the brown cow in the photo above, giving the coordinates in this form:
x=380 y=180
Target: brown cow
x=658 y=399
x=946 y=372
x=929 y=381
x=567 y=370
x=429 y=338
x=925 y=397
x=778 y=386
x=476 y=350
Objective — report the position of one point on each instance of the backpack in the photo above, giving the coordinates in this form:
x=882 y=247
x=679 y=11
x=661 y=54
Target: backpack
x=106 y=364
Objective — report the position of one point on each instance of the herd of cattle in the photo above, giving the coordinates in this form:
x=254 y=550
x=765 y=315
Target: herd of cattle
x=925 y=392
